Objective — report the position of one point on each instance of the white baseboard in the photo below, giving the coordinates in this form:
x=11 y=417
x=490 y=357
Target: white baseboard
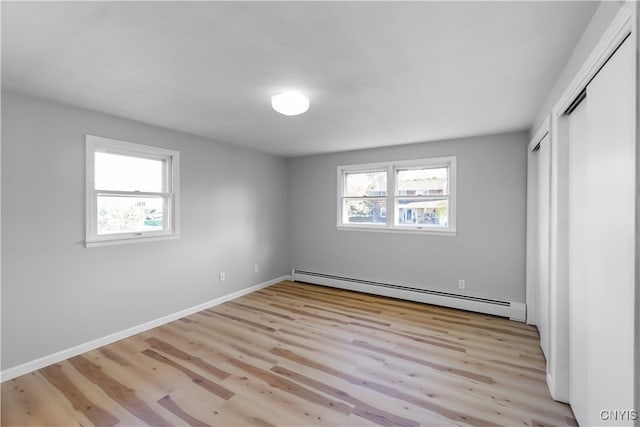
x=553 y=389
x=34 y=365
x=518 y=311
x=512 y=310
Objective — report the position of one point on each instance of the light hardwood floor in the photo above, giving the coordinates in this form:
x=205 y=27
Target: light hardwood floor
x=297 y=355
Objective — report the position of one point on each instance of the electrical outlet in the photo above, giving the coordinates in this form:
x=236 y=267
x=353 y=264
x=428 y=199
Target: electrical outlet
x=461 y=284
x=256 y=268
x=221 y=276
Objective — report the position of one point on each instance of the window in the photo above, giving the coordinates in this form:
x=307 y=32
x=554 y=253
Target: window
x=408 y=196
x=365 y=197
x=132 y=192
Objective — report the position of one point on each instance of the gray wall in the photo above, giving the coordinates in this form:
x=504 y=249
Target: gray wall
x=57 y=294
x=488 y=250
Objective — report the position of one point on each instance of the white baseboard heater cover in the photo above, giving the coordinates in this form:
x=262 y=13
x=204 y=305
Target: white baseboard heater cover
x=512 y=310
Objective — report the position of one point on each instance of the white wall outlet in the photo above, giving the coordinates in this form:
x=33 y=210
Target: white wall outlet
x=221 y=276
x=256 y=268
x=461 y=284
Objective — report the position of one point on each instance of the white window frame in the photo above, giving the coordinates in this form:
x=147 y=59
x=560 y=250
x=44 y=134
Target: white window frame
x=171 y=193
x=392 y=169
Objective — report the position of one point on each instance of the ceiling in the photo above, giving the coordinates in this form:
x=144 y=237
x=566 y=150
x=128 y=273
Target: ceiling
x=377 y=73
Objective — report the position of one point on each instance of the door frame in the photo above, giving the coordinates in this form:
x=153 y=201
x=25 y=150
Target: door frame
x=532 y=290
x=622 y=25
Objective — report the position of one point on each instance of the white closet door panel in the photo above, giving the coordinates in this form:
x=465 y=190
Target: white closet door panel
x=579 y=221
x=610 y=242
x=532 y=239
x=544 y=170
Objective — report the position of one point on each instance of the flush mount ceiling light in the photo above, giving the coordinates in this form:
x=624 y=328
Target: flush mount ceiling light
x=290 y=103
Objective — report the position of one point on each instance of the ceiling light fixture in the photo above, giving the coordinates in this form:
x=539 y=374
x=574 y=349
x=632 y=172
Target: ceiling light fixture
x=290 y=103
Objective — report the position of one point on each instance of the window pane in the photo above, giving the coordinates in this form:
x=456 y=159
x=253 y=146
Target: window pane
x=422 y=212
x=121 y=214
x=422 y=182
x=365 y=184
x=365 y=212
x=126 y=173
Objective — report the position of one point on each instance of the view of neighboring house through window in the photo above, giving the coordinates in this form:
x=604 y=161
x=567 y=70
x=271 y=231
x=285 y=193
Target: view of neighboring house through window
x=422 y=196
x=132 y=192
x=416 y=195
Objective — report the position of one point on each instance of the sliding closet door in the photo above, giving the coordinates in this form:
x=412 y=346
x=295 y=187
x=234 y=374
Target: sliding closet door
x=532 y=235
x=602 y=244
x=578 y=231
x=544 y=170
x=610 y=256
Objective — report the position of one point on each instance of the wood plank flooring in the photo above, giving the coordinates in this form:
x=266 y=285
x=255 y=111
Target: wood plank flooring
x=295 y=354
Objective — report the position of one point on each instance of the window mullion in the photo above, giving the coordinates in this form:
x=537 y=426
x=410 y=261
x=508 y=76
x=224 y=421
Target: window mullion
x=364 y=198
x=132 y=193
x=391 y=196
x=425 y=197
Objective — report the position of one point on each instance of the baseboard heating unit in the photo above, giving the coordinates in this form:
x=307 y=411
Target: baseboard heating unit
x=512 y=310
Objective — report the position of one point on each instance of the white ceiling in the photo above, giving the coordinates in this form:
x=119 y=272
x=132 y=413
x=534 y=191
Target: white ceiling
x=377 y=73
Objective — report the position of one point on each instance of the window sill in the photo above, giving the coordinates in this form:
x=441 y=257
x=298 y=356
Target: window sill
x=397 y=230
x=128 y=240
